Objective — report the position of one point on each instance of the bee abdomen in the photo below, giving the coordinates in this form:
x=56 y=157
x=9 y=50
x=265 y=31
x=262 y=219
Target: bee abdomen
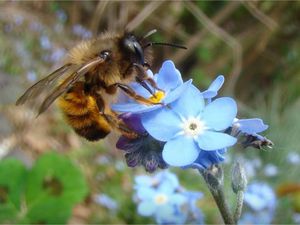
x=82 y=114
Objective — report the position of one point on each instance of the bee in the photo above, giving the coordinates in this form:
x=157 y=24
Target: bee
x=88 y=82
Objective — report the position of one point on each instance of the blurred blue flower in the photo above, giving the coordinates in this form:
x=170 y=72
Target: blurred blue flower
x=31 y=76
x=250 y=218
x=168 y=79
x=61 y=15
x=165 y=177
x=106 y=201
x=45 y=42
x=81 y=31
x=213 y=89
x=162 y=197
x=293 y=158
x=189 y=126
x=270 y=170
x=57 y=54
x=159 y=202
x=261 y=200
x=195 y=214
x=260 y=196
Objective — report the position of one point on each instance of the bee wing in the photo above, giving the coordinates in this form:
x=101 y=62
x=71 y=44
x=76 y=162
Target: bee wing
x=44 y=84
x=68 y=82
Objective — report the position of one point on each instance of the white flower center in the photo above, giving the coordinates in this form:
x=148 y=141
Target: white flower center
x=193 y=127
x=161 y=199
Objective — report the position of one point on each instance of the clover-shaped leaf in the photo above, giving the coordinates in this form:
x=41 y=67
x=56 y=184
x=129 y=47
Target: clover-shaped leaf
x=12 y=179
x=54 y=186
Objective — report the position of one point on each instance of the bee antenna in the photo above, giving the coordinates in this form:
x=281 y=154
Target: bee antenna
x=165 y=44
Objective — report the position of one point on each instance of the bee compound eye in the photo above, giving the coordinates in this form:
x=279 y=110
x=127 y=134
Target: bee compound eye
x=105 y=54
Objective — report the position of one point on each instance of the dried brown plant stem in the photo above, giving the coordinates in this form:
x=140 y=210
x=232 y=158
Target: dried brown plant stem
x=195 y=40
x=144 y=14
x=258 y=14
x=227 y=38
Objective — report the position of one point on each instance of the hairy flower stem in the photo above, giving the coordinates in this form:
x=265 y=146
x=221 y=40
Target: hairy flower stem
x=219 y=197
x=239 y=206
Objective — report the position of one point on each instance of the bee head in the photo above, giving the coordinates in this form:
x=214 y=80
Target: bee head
x=133 y=48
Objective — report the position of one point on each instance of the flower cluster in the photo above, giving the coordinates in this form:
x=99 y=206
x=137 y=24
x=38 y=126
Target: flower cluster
x=165 y=200
x=189 y=128
x=260 y=201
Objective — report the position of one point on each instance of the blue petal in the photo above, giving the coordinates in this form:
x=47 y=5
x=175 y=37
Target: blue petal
x=208 y=158
x=169 y=178
x=180 y=151
x=177 y=92
x=211 y=140
x=190 y=103
x=250 y=126
x=215 y=86
x=168 y=76
x=178 y=199
x=162 y=124
x=220 y=113
x=145 y=193
x=164 y=213
x=140 y=90
x=143 y=180
x=208 y=94
x=133 y=107
x=146 y=208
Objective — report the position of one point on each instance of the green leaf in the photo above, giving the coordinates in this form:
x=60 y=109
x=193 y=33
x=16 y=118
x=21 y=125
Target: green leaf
x=54 y=186
x=12 y=180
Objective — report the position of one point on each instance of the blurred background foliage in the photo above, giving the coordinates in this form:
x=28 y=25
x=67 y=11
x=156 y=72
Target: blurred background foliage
x=50 y=175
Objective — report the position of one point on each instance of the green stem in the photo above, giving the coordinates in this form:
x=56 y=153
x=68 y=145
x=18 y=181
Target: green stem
x=219 y=197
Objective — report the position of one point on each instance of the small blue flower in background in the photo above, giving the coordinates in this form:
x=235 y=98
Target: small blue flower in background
x=168 y=79
x=261 y=200
x=106 y=201
x=165 y=200
x=195 y=214
x=165 y=177
x=260 y=196
x=189 y=127
x=160 y=201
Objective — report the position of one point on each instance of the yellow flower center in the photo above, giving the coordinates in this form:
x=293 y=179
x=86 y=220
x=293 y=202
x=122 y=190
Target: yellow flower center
x=157 y=97
x=160 y=199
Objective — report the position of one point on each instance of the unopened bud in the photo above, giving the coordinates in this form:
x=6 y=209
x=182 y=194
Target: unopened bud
x=238 y=178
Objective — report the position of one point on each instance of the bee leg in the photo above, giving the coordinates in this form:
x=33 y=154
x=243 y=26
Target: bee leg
x=120 y=126
x=112 y=118
x=131 y=93
x=142 y=76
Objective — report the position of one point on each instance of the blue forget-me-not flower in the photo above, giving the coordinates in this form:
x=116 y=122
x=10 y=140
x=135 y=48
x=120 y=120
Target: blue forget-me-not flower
x=260 y=200
x=162 y=198
x=192 y=127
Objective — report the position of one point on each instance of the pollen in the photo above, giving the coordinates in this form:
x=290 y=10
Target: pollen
x=193 y=127
x=157 y=97
x=160 y=199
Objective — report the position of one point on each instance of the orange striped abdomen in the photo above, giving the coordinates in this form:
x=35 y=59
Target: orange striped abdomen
x=82 y=113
